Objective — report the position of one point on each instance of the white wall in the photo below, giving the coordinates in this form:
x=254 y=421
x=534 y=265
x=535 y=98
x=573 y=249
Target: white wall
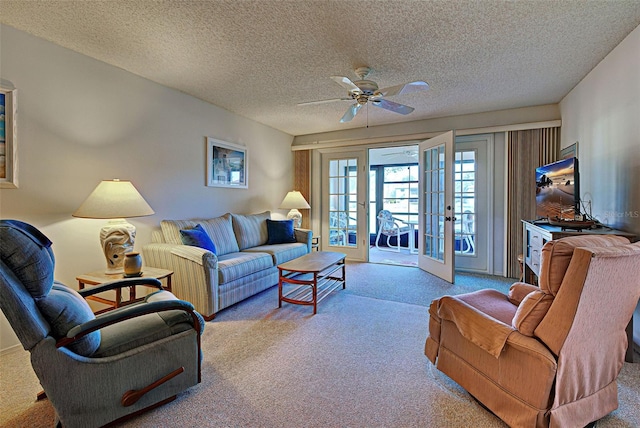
x=602 y=113
x=81 y=121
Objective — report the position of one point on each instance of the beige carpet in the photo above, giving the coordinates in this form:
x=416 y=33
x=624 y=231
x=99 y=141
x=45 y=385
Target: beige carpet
x=358 y=363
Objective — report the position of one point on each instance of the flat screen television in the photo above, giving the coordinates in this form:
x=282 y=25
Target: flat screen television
x=558 y=190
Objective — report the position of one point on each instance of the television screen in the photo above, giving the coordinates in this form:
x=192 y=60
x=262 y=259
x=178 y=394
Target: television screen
x=557 y=190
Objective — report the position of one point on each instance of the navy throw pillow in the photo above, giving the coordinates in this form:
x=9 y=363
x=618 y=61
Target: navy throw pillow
x=280 y=232
x=197 y=237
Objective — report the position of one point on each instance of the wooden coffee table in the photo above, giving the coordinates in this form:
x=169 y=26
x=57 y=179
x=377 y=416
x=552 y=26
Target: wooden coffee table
x=312 y=276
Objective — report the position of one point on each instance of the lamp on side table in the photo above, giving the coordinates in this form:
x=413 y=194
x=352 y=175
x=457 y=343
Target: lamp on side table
x=115 y=200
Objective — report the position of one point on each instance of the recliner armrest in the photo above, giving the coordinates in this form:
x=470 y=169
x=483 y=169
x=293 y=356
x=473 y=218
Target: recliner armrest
x=120 y=283
x=126 y=313
x=479 y=328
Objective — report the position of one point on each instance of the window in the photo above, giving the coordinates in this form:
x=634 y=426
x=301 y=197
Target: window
x=394 y=188
x=465 y=201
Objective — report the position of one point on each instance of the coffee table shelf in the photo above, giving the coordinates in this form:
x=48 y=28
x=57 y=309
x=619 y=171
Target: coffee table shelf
x=312 y=276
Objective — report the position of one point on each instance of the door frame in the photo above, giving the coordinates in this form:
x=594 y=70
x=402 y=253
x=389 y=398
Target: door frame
x=359 y=252
x=485 y=196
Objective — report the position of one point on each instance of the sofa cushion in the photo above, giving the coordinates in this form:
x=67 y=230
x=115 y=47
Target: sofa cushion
x=281 y=253
x=251 y=230
x=197 y=237
x=219 y=229
x=280 y=232
x=531 y=311
x=236 y=265
x=557 y=254
x=64 y=308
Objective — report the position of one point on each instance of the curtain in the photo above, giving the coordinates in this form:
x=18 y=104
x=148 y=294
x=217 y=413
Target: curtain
x=302 y=181
x=526 y=150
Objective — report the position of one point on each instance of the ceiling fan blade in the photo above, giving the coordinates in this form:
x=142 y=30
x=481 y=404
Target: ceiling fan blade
x=351 y=112
x=406 y=88
x=324 y=101
x=346 y=83
x=391 y=106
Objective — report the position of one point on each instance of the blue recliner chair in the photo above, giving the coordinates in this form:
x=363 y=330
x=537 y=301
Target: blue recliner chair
x=95 y=370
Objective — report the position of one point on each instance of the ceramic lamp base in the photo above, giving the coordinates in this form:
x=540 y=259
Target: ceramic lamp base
x=296 y=216
x=117 y=238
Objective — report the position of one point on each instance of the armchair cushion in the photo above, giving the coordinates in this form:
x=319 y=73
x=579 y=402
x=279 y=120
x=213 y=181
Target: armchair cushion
x=531 y=311
x=280 y=232
x=197 y=237
x=482 y=329
x=64 y=309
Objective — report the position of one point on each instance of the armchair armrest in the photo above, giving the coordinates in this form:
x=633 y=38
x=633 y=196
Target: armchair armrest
x=519 y=290
x=120 y=283
x=126 y=313
x=479 y=328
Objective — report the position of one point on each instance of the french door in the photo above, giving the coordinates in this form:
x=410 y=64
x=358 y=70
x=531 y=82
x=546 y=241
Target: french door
x=344 y=207
x=436 y=206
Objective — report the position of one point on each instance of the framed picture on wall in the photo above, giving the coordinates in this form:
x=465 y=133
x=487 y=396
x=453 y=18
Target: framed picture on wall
x=570 y=151
x=8 y=141
x=227 y=164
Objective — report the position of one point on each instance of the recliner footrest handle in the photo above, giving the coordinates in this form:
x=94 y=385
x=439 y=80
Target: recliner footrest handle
x=132 y=396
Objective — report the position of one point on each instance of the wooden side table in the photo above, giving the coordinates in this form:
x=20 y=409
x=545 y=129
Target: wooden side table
x=99 y=277
x=315 y=243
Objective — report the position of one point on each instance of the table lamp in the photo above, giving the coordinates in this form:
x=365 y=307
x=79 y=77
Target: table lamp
x=115 y=200
x=295 y=201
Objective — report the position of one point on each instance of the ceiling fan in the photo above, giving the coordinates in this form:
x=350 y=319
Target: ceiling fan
x=362 y=91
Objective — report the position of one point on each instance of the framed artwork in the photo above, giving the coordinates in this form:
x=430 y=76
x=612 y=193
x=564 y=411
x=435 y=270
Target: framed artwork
x=226 y=164
x=569 y=151
x=8 y=142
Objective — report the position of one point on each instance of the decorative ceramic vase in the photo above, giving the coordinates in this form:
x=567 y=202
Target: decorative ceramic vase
x=132 y=264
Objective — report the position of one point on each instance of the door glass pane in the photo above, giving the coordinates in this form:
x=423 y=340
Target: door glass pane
x=434 y=209
x=343 y=193
x=465 y=202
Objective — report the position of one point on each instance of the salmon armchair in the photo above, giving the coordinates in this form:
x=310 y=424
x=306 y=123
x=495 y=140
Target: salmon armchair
x=95 y=369
x=548 y=355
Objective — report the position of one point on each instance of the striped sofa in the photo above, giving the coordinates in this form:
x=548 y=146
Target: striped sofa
x=244 y=264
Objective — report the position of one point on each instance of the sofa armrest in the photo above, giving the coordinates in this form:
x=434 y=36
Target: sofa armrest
x=195 y=271
x=304 y=236
x=479 y=328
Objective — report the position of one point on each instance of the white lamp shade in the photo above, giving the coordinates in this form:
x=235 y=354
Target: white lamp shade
x=114 y=199
x=294 y=200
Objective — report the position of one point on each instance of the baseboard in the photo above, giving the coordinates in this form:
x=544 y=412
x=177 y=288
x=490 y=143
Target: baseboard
x=11 y=349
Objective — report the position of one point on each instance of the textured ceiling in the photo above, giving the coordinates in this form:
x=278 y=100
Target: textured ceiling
x=261 y=58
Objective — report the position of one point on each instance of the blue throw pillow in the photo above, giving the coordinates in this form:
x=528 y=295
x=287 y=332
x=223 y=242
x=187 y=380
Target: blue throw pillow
x=280 y=232
x=197 y=237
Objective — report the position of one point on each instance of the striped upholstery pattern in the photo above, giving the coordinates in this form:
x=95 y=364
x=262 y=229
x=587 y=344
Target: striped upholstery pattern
x=238 y=290
x=236 y=265
x=251 y=230
x=195 y=277
x=281 y=253
x=219 y=229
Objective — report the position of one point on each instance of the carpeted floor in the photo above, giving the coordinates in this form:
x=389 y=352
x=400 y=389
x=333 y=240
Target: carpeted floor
x=358 y=363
